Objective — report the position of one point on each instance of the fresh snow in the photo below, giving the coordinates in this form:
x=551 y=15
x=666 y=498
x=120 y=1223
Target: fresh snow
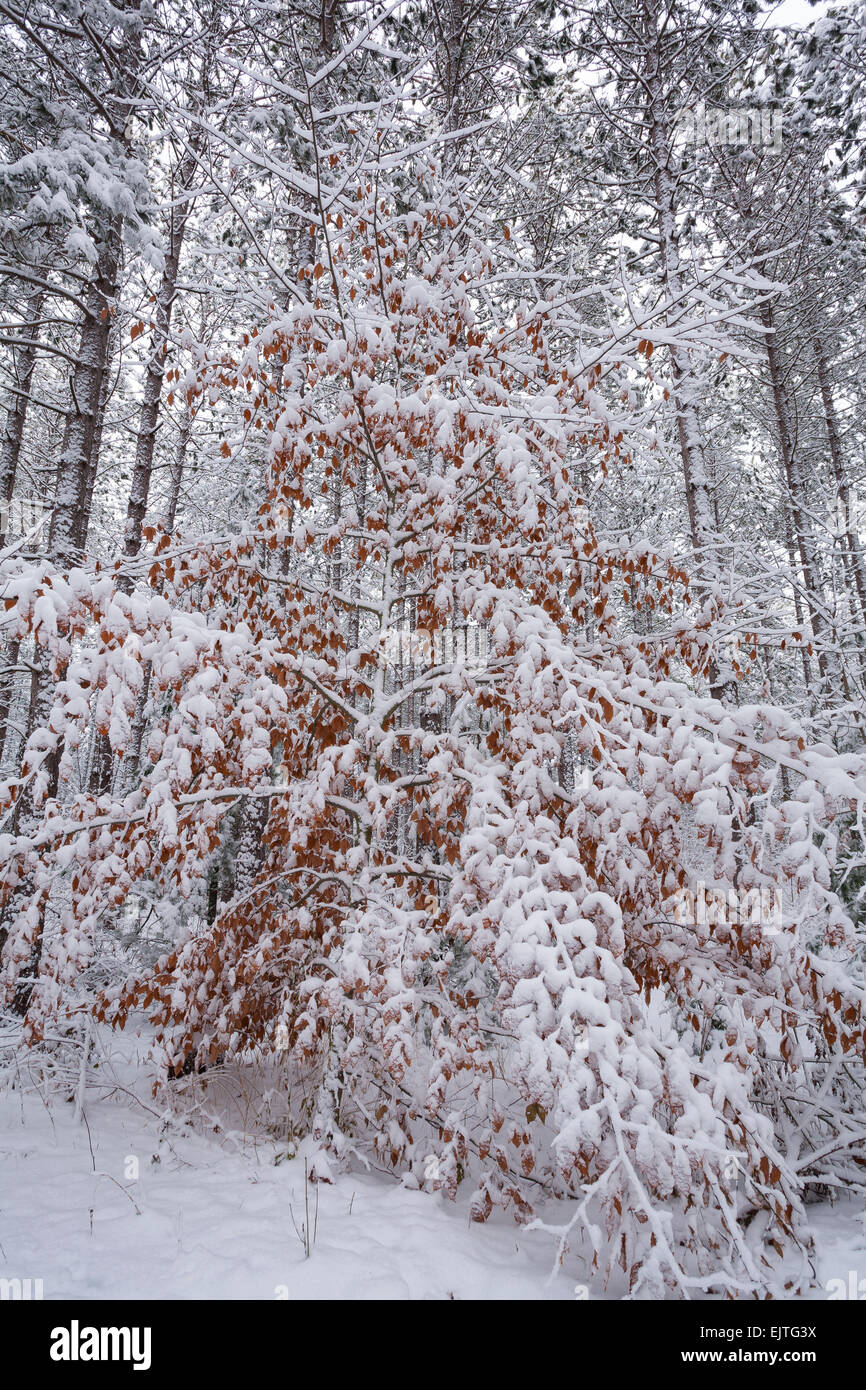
x=216 y=1216
x=221 y=1215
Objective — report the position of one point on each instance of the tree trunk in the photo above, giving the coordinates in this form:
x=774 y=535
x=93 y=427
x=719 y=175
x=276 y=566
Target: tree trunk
x=802 y=525
x=133 y=757
x=696 y=480
x=78 y=456
x=155 y=373
x=24 y=361
x=851 y=547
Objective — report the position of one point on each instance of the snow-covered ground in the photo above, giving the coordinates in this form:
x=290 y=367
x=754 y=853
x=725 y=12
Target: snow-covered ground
x=121 y=1204
x=220 y=1217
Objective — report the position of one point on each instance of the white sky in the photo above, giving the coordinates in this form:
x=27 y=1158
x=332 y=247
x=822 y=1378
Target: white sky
x=796 y=12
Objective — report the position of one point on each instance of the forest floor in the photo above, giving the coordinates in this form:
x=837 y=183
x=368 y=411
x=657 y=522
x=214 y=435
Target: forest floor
x=124 y=1198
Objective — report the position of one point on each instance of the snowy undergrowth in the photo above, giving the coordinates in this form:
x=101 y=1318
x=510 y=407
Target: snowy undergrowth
x=217 y=1215
x=111 y=1193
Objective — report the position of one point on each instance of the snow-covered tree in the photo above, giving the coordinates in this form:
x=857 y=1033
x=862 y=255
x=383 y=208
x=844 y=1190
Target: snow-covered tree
x=472 y=923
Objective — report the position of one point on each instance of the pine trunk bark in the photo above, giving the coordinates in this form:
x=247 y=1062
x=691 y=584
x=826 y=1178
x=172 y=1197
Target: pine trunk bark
x=698 y=491
x=133 y=757
x=78 y=457
x=155 y=374
x=802 y=526
x=851 y=544
x=24 y=362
